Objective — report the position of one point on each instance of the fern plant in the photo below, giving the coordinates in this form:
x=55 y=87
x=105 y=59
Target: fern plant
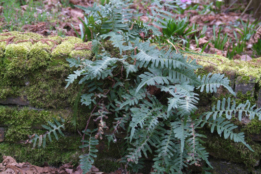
x=52 y=129
x=128 y=87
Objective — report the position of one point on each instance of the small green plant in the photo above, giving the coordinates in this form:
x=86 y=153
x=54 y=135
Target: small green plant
x=180 y=10
x=206 y=9
x=234 y=49
x=203 y=31
x=178 y=28
x=219 y=41
x=15 y=18
x=248 y=30
x=256 y=47
x=52 y=129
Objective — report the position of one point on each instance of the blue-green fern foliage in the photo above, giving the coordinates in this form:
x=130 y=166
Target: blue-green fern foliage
x=150 y=92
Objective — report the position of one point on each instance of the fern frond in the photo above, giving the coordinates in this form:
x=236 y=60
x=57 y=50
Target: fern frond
x=180 y=130
x=184 y=99
x=130 y=68
x=100 y=68
x=154 y=77
x=87 y=160
x=143 y=143
x=196 y=152
x=74 y=62
x=133 y=98
x=183 y=75
x=86 y=99
x=143 y=114
x=150 y=55
x=225 y=107
x=214 y=81
x=72 y=77
x=187 y=105
x=225 y=127
x=117 y=41
x=167 y=147
x=52 y=129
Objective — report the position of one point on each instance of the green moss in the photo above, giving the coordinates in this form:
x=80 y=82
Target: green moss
x=30 y=35
x=231 y=151
x=39 y=55
x=80 y=54
x=8 y=91
x=72 y=40
x=21 y=121
x=221 y=64
x=246 y=79
x=62 y=51
x=47 y=88
x=15 y=59
x=58 y=39
x=64 y=150
x=83 y=53
x=253 y=127
x=242 y=98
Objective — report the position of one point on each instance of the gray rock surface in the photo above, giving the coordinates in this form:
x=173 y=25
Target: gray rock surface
x=14 y=101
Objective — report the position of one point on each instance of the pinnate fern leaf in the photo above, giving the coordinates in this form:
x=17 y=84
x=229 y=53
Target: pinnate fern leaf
x=154 y=77
x=180 y=130
x=52 y=129
x=117 y=41
x=225 y=127
x=225 y=107
x=132 y=98
x=72 y=77
x=214 y=81
x=86 y=160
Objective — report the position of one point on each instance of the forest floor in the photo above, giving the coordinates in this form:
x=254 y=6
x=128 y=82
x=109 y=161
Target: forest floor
x=230 y=31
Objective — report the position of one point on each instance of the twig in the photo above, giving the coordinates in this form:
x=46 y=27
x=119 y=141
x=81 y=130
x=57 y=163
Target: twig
x=173 y=45
x=246 y=8
x=231 y=5
x=91 y=116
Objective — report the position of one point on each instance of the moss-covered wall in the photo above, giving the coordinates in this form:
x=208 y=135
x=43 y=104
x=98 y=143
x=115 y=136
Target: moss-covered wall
x=33 y=70
x=33 y=73
x=245 y=79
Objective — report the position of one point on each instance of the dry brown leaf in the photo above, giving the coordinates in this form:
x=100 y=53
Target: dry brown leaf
x=24 y=7
x=76 y=13
x=10 y=166
x=202 y=41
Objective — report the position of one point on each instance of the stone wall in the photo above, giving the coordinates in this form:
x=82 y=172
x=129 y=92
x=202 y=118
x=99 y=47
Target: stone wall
x=33 y=70
x=33 y=73
x=245 y=79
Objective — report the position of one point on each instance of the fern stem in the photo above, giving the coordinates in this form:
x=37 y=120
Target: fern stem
x=90 y=118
